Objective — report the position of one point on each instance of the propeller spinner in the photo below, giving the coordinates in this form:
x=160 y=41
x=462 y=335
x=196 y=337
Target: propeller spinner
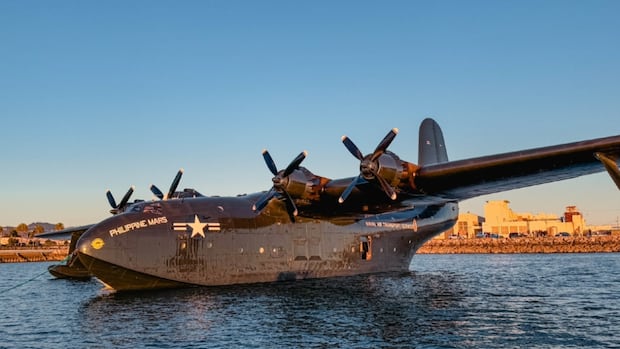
x=369 y=165
x=280 y=183
x=121 y=205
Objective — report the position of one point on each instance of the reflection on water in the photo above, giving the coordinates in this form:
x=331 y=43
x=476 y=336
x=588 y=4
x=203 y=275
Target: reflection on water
x=362 y=311
x=455 y=301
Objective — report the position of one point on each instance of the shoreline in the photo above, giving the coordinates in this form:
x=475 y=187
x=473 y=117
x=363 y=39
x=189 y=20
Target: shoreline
x=594 y=244
x=33 y=255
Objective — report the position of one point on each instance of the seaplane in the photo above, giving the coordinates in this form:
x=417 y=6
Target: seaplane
x=308 y=226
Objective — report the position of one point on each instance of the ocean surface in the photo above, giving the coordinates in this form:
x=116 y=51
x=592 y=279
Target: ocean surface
x=446 y=301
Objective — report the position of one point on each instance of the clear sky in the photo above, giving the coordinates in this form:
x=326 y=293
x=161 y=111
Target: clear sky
x=98 y=95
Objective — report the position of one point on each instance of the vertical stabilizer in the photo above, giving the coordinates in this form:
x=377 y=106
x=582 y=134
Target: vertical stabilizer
x=431 y=147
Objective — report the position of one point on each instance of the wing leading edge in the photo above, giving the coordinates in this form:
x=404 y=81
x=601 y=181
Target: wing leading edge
x=64 y=234
x=464 y=179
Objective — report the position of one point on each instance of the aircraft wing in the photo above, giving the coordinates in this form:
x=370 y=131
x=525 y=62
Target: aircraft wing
x=463 y=179
x=64 y=234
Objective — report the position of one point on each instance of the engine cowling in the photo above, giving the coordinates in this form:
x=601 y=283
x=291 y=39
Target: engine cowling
x=390 y=168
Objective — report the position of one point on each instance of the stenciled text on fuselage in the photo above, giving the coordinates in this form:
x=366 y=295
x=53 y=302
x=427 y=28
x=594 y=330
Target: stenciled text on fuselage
x=137 y=225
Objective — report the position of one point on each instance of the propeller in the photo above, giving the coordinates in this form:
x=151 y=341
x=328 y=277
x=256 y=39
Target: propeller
x=369 y=166
x=280 y=182
x=121 y=205
x=171 y=191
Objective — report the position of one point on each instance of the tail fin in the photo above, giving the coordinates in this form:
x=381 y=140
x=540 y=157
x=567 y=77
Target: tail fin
x=431 y=146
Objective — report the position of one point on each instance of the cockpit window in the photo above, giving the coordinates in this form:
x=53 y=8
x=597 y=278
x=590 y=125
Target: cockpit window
x=153 y=207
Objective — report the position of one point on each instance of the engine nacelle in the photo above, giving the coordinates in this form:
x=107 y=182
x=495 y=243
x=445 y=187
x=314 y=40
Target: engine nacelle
x=302 y=184
x=390 y=168
x=296 y=184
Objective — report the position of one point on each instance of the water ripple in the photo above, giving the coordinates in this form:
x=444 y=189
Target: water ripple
x=447 y=301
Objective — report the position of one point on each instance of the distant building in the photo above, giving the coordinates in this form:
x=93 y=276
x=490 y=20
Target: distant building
x=467 y=227
x=501 y=221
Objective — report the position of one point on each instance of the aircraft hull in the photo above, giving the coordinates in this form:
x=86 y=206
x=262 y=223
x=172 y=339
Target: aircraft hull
x=123 y=279
x=158 y=256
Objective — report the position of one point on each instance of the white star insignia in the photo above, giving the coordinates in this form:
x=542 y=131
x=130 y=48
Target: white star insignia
x=197 y=227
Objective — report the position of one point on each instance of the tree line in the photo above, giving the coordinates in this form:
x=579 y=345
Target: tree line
x=23 y=229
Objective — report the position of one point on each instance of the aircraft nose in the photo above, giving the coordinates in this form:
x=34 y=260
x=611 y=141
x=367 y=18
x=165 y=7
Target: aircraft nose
x=93 y=242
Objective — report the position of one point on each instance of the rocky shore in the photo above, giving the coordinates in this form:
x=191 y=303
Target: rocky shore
x=524 y=245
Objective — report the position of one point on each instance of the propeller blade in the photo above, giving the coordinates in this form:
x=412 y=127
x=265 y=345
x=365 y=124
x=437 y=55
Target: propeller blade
x=353 y=149
x=174 y=185
x=294 y=164
x=125 y=198
x=157 y=192
x=110 y=197
x=263 y=200
x=290 y=206
x=349 y=189
x=270 y=163
x=385 y=142
x=387 y=188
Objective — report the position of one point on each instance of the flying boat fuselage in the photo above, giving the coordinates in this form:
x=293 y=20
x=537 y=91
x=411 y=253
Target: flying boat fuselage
x=221 y=240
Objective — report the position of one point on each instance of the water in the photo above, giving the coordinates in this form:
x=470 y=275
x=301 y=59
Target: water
x=447 y=301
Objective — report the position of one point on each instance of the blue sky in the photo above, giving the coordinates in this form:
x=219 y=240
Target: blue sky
x=104 y=95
